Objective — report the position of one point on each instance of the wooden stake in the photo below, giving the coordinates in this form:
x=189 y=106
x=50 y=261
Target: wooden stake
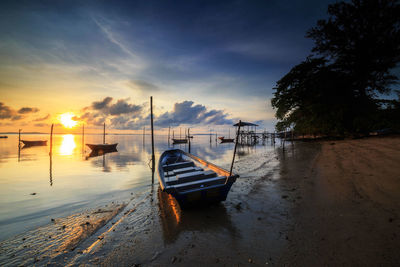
x=169 y=130
x=152 y=140
x=144 y=133
x=234 y=151
x=51 y=140
x=19 y=137
x=104 y=133
x=189 y=138
x=83 y=138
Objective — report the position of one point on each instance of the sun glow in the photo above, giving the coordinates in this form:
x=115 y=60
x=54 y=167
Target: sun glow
x=68 y=145
x=67 y=121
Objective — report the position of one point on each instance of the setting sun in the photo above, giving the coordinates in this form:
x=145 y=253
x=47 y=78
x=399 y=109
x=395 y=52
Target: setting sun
x=67 y=121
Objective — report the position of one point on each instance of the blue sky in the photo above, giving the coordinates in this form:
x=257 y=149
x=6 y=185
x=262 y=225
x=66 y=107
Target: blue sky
x=205 y=62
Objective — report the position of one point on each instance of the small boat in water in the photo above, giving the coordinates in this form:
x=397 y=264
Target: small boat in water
x=103 y=148
x=179 y=141
x=192 y=180
x=34 y=143
x=226 y=140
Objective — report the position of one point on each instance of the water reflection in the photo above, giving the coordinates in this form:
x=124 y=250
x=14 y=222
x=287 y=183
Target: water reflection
x=174 y=220
x=67 y=145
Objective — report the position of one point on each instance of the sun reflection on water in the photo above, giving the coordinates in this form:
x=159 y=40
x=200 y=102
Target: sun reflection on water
x=67 y=145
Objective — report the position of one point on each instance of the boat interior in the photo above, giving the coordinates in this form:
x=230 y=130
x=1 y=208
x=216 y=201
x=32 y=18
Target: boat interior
x=183 y=174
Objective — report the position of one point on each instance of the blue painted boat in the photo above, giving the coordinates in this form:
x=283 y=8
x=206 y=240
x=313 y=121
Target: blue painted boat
x=191 y=180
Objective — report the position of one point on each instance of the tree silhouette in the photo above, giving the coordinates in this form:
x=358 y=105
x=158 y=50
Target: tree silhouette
x=335 y=90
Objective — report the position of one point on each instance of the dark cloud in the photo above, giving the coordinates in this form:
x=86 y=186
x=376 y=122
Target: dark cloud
x=16 y=118
x=6 y=112
x=142 y=86
x=41 y=124
x=43 y=118
x=26 y=110
x=188 y=113
x=122 y=107
x=99 y=105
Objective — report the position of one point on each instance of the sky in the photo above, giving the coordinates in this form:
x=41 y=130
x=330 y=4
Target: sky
x=207 y=64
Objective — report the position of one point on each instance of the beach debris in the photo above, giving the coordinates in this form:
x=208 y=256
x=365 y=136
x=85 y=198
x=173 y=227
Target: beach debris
x=53 y=220
x=173 y=259
x=238 y=206
x=284 y=196
x=33 y=193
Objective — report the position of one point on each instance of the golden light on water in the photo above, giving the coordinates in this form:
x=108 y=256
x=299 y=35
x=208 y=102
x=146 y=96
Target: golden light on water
x=67 y=121
x=67 y=145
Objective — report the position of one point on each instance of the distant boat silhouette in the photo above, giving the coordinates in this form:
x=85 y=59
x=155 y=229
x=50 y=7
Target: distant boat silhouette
x=3 y=136
x=28 y=143
x=225 y=140
x=103 y=147
x=179 y=141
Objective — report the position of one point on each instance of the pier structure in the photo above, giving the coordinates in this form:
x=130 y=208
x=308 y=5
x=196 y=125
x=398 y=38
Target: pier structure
x=248 y=134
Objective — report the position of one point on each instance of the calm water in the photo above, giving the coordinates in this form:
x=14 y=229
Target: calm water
x=35 y=188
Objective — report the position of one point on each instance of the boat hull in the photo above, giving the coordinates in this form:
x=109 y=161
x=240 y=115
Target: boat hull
x=34 y=143
x=179 y=141
x=204 y=192
x=105 y=148
x=226 y=140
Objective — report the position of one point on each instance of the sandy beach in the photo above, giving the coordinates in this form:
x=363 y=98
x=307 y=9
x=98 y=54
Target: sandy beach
x=308 y=204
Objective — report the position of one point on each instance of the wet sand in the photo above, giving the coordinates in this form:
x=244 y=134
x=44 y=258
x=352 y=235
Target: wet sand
x=309 y=204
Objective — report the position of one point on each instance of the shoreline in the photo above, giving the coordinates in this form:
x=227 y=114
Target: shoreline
x=312 y=203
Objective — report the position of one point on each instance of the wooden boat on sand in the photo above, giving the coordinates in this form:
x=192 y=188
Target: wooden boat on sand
x=192 y=180
x=34 y=143
x=3 y=136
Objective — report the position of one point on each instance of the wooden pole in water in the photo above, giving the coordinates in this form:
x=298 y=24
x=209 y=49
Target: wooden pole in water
x=19 y=137
x=83 y=137
x=104 y=133
x=173 y=134
x=169 y=130
x=144 y=133
x=189 y=138
x=152 y=140
x=234 y=151
x=180 y=133
x=210 y=136
x=51 y=139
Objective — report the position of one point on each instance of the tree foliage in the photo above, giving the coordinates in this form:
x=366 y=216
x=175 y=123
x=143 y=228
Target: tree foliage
x=334 y=90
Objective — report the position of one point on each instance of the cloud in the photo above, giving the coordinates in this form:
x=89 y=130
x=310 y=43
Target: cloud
x=43 y=118
x=98 y=105
x=26 y=110
x=188 y=113
x=6 y=112
x=142 y=86
x=122 y=107
x=120 y=115
x=41 y=124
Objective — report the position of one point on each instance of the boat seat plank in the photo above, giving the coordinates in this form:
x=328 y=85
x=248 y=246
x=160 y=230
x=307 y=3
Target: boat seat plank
x=201 y=183
x=178 y=165
x=194 y=176
x=181 y=171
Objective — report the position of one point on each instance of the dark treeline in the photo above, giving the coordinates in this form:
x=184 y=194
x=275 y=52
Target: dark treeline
x=337 y=89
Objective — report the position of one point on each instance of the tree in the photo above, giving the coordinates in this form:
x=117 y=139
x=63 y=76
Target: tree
x=334 y=90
